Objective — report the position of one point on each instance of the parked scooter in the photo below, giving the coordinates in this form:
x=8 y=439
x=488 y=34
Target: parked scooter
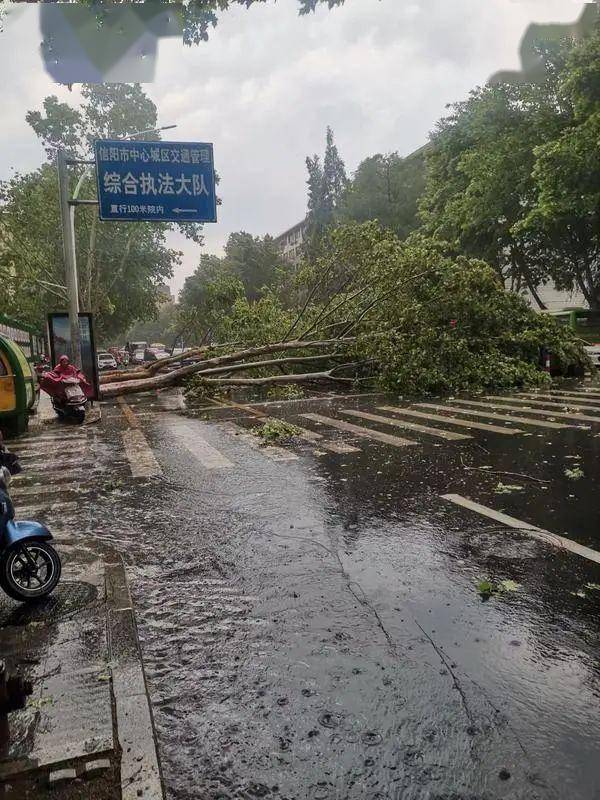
x=69 y=390
x=29 y=566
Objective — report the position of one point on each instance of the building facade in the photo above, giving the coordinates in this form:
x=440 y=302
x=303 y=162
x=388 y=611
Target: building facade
x=290 y=243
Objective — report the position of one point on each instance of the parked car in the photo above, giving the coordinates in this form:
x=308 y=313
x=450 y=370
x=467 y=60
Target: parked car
x=593 y=351
x=133 y=346
x=137 y=357
x=153 y=354
x=107 y=361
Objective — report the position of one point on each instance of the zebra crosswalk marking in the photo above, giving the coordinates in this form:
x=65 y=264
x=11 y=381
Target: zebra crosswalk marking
x=540 y=423
x=413 y=426
x=558 y=396
x=366 y=433
x=142 y=461
x=555 y=414
x=581 y=393
x=275 y=453
x=452 y=420
x=583 y=405
x=190 y=437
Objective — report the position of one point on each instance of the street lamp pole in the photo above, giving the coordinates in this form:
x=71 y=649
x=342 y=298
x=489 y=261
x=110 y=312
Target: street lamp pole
x=67 y=219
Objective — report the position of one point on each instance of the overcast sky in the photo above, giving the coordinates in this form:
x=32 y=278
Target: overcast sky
x=268 y=82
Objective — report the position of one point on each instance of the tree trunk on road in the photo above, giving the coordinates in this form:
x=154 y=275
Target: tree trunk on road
x=115 y=388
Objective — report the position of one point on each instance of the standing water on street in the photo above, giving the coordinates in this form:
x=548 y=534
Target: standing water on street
x=299 y=339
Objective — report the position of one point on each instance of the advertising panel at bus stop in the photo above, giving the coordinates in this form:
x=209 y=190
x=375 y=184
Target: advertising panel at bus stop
x=155 y=181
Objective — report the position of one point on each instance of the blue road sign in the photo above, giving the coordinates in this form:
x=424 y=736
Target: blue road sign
x=156 y=181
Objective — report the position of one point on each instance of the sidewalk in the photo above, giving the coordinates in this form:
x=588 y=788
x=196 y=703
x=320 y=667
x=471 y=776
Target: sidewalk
x=87 y=729
x=46 y=415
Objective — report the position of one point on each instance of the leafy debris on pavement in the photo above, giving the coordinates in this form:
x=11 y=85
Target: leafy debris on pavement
x=486 y=587
x=277 y=430
x=288 y=391
x=574 y=474
x=507 y=488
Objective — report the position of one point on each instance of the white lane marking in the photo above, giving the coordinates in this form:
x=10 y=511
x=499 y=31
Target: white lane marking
x=44 y=508
x=190 y=437
x=413 y=426
x=581 y=393
x=366 y=433
x=327 y=444
x=562 y=402
x=142 y=461
x=325 y=399
x=43 y=489
x=43 y=447
x=275 y=453
x=529 y=410
x=67 y=455
x=540 y=423
x=532 y=530
x=338 y=447
x=63 y=437
x=55 y=463
x=452 y=420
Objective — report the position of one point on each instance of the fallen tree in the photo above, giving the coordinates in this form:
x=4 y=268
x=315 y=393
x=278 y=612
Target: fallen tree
x=412 y=316
x=236 y=361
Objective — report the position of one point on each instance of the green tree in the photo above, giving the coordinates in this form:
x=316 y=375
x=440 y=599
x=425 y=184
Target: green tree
x=162 y=328
x=479 y=178
x=386 y=188
x=198 y=16
x=327 y=183
x=206 y=297
x=436 y=322
x=255 y=261
x=250 y=267
x=120 y=264
x=564 y=222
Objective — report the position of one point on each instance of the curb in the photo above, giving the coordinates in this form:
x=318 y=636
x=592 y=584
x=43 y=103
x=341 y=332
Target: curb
x=141 y=775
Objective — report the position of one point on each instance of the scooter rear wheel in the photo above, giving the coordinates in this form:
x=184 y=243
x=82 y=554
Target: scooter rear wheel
x=79 y=415
x=30 y=570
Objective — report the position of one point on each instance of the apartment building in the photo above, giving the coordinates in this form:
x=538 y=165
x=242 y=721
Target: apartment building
x=290 y=242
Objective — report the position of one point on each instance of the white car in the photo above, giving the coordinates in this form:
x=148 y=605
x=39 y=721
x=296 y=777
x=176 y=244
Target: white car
x=107 y=361
x=593 y=351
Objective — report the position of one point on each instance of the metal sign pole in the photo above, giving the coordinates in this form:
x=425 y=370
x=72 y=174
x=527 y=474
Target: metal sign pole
x=67 y=218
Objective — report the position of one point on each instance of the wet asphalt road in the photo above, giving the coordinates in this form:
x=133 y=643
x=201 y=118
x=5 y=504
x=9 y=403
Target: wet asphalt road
x=311 y=627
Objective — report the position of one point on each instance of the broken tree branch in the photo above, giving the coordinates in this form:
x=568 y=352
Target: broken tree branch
x=159 y=381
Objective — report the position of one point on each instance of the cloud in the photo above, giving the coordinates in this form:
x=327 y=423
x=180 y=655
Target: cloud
x=268 y=82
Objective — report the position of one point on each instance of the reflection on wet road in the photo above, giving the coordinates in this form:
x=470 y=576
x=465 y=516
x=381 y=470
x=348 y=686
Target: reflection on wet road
x=312 y=627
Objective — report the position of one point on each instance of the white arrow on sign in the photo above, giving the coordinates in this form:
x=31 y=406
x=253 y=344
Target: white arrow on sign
x=184 y=210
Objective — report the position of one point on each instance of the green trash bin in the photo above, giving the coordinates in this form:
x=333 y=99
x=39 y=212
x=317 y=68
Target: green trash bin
x=19 y=389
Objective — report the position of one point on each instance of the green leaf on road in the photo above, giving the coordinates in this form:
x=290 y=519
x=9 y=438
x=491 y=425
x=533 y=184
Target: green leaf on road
x=574 y=474
x=507 y=488
x=509 y=586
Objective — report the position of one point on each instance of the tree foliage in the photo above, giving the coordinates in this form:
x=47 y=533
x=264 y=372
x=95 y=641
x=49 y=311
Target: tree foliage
x=437 y=322
x=199 y=16
x=513 y=174
x=120 y=265
x=327 y=182
x=564 y=221
x=386 y=188
x=229 y=292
